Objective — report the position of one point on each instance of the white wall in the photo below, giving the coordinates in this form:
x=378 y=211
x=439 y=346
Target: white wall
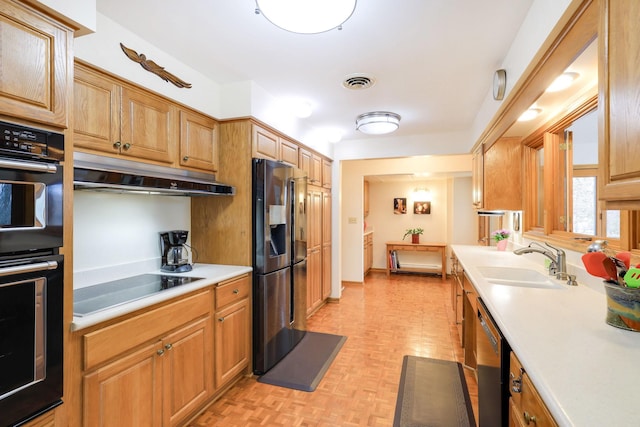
x=389 y=226
x=117 y=235
x=463 y=219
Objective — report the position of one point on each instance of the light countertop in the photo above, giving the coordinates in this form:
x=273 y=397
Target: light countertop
x=211 y=274
x=586 y=371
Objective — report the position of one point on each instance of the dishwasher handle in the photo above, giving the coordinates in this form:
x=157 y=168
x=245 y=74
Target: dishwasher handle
x=485 y=327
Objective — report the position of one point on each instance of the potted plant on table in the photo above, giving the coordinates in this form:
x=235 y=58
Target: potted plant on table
x=415 y=234
x=501 y=236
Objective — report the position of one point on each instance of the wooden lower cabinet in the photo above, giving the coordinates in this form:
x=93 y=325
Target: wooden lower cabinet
x=232 y=326
x=470 y=310
x=525 y=404
x=159 y=384
x=314 y=280
x=126 y=392
x=159 y=367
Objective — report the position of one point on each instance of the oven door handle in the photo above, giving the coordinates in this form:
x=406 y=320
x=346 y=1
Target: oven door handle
x=28 y=166
x=29 y=268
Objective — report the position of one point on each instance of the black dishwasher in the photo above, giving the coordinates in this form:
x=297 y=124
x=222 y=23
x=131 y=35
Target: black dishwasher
x=493 y=371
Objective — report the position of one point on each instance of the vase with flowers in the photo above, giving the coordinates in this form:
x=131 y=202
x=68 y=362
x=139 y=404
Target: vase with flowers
x=501 y=237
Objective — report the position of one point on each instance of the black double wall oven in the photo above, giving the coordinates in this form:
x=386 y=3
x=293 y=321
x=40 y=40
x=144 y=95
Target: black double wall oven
x=31 y=272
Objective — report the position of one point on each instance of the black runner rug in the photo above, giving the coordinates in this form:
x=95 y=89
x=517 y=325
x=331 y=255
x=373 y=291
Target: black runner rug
x=433 y=393
x=306 y=364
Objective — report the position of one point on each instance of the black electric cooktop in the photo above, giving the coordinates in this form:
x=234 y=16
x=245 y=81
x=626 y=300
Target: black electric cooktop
x=110 y=294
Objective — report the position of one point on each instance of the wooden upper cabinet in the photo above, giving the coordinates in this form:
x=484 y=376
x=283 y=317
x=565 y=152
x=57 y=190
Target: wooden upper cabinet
x=477 y=167
x=118 y=119
x=365 y=198
x=34 y=65
x=268 y=145
x=96 y=111
x=198 y=141
x=326 y=173
x=264 y=144
x=618 y=106
x=312 y=165
x=502 y=179
x=288 y=152
x=149 y=128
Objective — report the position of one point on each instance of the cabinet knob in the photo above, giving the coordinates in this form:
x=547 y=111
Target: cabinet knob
x=168 y=346
x=160 y=352
x=220 y=319
x=528 y=418
x=117 y=145
x=126 y=146
x=185 y=158
x=236 y=291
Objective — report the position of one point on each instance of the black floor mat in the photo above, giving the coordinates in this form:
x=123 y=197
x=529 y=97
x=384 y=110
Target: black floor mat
x=432 y=393
x=306 y=364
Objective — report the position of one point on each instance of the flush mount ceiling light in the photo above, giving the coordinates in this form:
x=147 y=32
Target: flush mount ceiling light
x=377 y=122
x=562 y=82
x=530 y=114
x=306 y=16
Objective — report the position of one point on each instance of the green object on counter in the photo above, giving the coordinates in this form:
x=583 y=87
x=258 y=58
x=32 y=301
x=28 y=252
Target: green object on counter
x=632 y=278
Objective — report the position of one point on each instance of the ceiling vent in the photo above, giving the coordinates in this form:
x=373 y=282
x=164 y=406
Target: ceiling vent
x=358 y=81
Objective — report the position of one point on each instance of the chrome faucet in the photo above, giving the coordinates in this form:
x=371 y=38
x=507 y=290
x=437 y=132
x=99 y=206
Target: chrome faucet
x=558 y=266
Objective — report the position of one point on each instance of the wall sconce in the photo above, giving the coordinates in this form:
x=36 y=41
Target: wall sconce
x=422 y=194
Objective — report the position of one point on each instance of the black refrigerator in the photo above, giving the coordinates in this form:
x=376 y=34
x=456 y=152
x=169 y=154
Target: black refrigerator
x=279 y=261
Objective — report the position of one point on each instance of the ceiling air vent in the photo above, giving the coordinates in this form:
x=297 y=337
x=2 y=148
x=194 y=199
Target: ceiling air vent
x=358 y=81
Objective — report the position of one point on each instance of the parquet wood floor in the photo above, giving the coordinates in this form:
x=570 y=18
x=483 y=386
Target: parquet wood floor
x=384 y=319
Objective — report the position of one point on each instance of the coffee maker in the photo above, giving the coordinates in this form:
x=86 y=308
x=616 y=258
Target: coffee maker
x=175 y=256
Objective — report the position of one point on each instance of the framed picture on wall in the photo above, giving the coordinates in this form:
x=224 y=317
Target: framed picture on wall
x=421 y=208
x=400 y=205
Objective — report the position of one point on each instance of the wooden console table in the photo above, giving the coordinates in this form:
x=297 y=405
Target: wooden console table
x=418 y=247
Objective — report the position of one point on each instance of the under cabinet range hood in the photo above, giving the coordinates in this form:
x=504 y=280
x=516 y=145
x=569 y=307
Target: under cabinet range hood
x=101 y=173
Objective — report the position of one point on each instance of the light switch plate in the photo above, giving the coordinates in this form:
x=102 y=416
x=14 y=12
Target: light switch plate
x=353 y=220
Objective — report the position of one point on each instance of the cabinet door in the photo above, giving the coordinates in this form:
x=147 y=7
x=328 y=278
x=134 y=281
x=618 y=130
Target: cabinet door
x=125 y=393
x=365 y=197
x=304 y=162
x=326 y=271
x=198 y=142
x=289 y=152
x=314 y=219
x=619 y=91
x=149 y=126
x=502 y=181
x=326 y=173
x=477 y=172
x=314 y=279
x=34 y=65
x=315 y=177
x=232 y=337
x=96 y=111
x=187 y=369
x=265 y=144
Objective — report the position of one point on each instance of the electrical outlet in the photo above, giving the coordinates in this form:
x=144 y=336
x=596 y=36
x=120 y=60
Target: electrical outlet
x=353 y=220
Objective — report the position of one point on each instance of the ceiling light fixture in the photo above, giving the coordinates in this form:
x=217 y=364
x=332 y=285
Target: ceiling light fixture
x=377 y=122
x=306 y=16
x=530 y=114
x=562 y=82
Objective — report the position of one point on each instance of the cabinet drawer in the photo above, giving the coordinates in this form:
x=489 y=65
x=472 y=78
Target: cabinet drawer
x=108 y=342
x=232 y=291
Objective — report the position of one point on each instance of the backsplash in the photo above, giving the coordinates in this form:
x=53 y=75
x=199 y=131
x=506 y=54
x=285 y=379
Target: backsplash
x=116 y=235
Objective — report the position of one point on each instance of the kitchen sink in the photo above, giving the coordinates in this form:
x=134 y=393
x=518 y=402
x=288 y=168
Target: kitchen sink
x=517 y=276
